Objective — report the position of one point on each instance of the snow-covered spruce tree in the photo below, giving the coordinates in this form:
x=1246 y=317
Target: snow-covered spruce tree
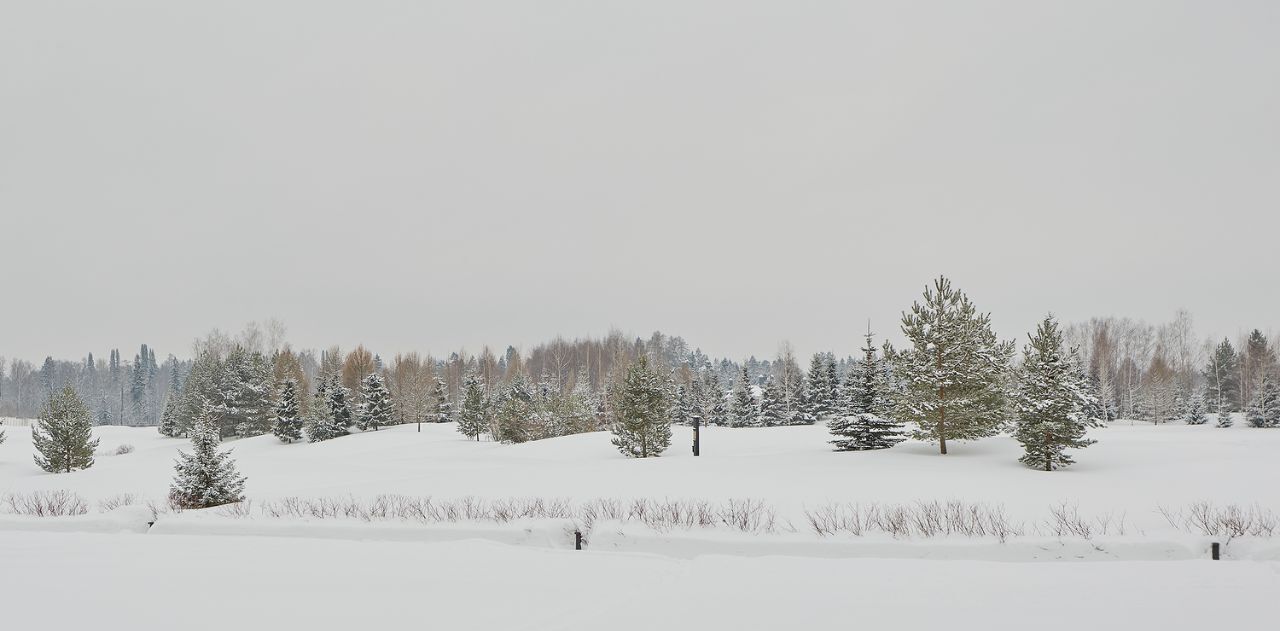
x=375 y=403
x=1222 y=378
x=202 y=385
x=473 y=418
x=772 y=412
x=1196 y=414
x=582 y=404
x=320 y=424
x=818 y=401
x=338 y=397
x=169 y=418
x=954 y=376
x=287 y=424
x=444 y=409
x=642 y=417
x=742 y=403
x=1264 y=410
x=205 y=477
x=713 y=407
x=860 y=425
x=514 y=411
x=1051 y=402
x=1224 y=418
x=245 y=406
x=64 y=434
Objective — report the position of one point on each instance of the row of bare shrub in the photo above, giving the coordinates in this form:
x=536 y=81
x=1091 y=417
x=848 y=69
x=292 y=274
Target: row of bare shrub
x=1228 y=521
x=747 y=515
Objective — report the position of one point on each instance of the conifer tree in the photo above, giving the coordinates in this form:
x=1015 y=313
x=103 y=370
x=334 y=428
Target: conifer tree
x=819 y=403
x=713 y=407
x=742 y=405
x=444 y=409
x=338 y=398
x=287 y=424
x=1051 y=402
x=1264 y=410
x=375 y=403
x=771 y=406
x=205 y=477
x=64 y=434
x=1224 y=418
x=860 y=425
x=244 y=408
x=954 y=377
x=513 y=412
x=582 y=404
x=169 y=419
x=321 y=424
x=1196 y=414
x=473 y=418
x=642 y=418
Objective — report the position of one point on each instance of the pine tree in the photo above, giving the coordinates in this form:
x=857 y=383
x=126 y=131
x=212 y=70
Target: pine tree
x=375 y=409
x=444 y=409
x=1196 y=414
x=642 y=417
x=713 y=407
x=582 y=404
x=1224 y=418
x=287 y=424
x=473 y=418
x=954 y=376
x=338 y=398
x=1051 y=402
x=64 y=434
x=245 y=407
x=169 y=419
x=742 y=405
x=321 y=424
x=205 y=477
x=1264 y=410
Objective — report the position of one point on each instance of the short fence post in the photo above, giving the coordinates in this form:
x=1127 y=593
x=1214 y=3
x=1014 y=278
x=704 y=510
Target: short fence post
x=1214 y=551
x=577 y=540
x=697 y=436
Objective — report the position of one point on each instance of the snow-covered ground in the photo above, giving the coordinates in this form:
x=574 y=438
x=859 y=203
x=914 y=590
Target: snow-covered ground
x=525 y=574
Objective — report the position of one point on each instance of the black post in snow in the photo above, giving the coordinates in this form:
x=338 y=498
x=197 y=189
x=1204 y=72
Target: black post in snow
x=697 y=436
x=1214 y=551
x=577 y=540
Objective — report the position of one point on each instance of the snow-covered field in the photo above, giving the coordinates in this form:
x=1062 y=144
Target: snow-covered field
x=525 y=574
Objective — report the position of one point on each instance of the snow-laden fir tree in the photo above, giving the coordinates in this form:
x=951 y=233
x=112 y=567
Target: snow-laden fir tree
x=287 y=424
x=473 y=418
x=338 y=397
x=1264 y=410
x=582 y=404
x=1222 y=378
x=955 y=374
x=1196 y=414
x=642 y=418
x=1224 y=418
x=863 y=421
x=514 y=411
x=772 y=412
x=742 y=403
x=444 y=409
x=320 y=424
x=818 y=401
x=169 y=418
x=713 y=399
x=245 y=406
x=1051 y=404
x=205 y=477
x=63 y=435
x=375 y=403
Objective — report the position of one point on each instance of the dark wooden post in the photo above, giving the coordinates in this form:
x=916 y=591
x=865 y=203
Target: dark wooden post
x=1214 y=551
x=697 y=436
x=577 y=540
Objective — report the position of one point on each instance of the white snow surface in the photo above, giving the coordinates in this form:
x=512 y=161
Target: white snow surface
x=276 y=572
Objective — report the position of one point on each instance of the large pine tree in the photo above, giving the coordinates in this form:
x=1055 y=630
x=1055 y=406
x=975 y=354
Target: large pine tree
x=1051 y=403
x=205 y=477
x=287 y=424
x=954 y=376
x=642 y=417
x=63 y=436
x=473 y=418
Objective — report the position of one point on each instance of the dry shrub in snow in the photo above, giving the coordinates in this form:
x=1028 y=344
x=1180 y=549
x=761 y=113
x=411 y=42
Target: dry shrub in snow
x=1228 y=521
x=46 y=503
x=116 y=501
x=921 y=519
x=123 y=449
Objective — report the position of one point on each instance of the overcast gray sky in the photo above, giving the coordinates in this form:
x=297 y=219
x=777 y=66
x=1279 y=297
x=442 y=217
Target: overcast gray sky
x=428 y=175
